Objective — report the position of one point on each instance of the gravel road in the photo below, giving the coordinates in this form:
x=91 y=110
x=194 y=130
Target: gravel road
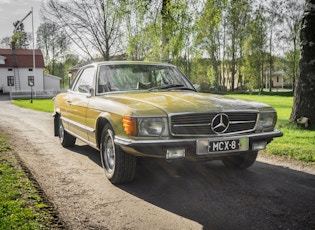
x=272 y=194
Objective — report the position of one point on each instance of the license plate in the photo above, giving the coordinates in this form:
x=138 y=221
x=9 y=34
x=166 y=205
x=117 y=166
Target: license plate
x=222 y=146
x=206 y=146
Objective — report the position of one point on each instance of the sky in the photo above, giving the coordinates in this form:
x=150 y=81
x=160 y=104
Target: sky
x=14 y=10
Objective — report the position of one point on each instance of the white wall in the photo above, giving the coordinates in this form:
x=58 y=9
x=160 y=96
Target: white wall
x=24 y=73
x=51 y=82
x=38 y=79
x=3 y=79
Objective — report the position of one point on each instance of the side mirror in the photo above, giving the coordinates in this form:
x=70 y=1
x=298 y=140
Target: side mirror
x=86 y=89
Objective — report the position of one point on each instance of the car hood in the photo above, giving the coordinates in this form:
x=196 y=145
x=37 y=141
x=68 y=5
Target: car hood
x=157 y=103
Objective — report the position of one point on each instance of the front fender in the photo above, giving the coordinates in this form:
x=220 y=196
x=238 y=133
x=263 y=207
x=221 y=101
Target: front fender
x=103 y=119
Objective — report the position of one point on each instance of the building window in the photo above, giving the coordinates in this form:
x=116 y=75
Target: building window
x=9 y=69
x=10 y=81
x=30 y=69
x=31 y=81
x=277 y=79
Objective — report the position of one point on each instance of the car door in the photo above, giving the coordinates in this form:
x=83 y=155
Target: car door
x=77 y=101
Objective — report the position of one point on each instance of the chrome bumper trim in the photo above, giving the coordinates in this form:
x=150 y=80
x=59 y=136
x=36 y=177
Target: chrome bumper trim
x=255 y=136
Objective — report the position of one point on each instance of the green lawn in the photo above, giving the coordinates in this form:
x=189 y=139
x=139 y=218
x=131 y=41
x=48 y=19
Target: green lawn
x=45 y=105
x=297 y=143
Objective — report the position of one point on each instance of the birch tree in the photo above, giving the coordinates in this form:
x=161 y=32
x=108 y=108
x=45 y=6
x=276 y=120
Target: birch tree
x=237 y=21
x=53 y=42
x=158 y=27
x=293 y=11
x=254 y=47
x=208 y=37
x=274 y=11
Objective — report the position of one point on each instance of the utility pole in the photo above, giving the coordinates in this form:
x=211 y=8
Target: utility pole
x=33 y=35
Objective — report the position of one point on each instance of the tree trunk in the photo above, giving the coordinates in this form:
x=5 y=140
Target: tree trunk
x=294 y=63
x=304 y=94
x=165 y=33
x=233 y=71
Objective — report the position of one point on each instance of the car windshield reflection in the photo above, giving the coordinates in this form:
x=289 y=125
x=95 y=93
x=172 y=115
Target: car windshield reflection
x=140 y=77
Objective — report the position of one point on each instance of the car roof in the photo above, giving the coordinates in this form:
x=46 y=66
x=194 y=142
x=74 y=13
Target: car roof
x=129 y=63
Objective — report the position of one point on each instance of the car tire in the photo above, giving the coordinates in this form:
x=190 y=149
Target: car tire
x=242 y=161
x=119 y=166
x=66 y=139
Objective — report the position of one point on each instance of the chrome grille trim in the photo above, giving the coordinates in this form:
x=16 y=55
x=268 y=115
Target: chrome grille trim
x=188 y=125
x=192 y=124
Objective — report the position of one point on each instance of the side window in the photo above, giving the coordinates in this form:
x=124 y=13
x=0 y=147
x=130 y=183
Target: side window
x=103 y=84
x=10 y=80
x=85 y=79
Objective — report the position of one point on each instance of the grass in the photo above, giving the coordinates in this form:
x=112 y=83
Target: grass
x=297 y=143
x=21 y=206
x=44 y=105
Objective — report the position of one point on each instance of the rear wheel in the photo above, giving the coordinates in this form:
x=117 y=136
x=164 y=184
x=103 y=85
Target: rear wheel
x=242 y=161
x=119 y=166
x=66 y=139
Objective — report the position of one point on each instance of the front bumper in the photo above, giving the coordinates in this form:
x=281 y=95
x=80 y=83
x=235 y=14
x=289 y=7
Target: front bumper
x=161 y=148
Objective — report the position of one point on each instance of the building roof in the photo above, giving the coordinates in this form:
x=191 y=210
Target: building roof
x=279 y=72
x=52 y=76
x=275 y=73
x=24 y=58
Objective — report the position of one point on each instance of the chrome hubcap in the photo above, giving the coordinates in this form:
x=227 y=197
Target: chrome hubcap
x=109 y=153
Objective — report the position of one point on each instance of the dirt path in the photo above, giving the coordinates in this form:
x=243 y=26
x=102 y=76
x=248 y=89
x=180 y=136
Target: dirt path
x=272 y=194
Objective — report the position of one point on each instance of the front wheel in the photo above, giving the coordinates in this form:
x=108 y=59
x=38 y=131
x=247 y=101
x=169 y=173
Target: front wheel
x=243 y=161
x=66 y=139
x=119 y=166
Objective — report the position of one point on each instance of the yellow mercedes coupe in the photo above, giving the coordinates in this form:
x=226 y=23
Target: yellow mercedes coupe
x=141 y=109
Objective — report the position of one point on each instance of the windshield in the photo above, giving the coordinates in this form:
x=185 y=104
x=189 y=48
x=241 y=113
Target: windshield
x=128 y=77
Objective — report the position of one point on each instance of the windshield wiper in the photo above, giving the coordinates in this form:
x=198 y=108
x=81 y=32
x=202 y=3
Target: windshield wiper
x=179 y=86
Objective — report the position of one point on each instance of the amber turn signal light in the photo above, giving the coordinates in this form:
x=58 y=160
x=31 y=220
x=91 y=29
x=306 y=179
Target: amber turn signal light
x=130 y=125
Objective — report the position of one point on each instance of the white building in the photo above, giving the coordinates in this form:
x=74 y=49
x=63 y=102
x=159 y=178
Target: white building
x=17 y=72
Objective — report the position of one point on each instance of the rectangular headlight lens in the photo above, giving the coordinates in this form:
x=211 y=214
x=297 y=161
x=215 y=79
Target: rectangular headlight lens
x=267 y=121
x=152 y=126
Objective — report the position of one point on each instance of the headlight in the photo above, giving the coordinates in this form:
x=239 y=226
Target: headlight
x=145 y=126
x=267 y=121
x=152 y=127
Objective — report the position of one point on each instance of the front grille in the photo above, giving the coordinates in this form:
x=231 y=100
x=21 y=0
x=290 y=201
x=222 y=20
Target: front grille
x=200 y=124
